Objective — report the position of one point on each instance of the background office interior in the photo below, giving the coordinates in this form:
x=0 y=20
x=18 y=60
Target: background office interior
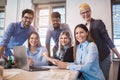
x=107 y=10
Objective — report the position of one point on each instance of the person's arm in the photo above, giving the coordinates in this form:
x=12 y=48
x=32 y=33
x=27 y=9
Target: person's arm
x=30 y=62
x=42 y=62
x=6 y=37
x=106 y=37
x=48 y=48
x=47 y=41
x=49 y=58
x=90 y=58
x=116 y=52
x=2 y=48
x=61 y=64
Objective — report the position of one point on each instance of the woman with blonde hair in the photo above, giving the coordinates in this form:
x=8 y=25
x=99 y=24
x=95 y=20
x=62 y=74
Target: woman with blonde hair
x=65 y=49
x=85 y=57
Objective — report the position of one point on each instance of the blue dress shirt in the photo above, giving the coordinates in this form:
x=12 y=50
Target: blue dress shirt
x=37 y=57
x=87 y=62
x=16 y=34
x=54 y=33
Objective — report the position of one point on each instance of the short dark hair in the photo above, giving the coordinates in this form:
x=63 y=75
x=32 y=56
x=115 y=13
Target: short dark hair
x=55 y=15
x=29 y=11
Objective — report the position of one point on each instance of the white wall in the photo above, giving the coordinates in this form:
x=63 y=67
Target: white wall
x=11 y=9
x=101 y=9
x=14 y=9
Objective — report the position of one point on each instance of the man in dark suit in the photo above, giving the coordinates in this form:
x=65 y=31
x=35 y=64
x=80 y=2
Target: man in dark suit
x=99 y=33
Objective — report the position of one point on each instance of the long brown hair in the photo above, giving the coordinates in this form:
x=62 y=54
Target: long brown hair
x=89 y=38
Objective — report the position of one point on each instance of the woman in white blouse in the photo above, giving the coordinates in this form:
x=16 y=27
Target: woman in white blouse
x=85 y=55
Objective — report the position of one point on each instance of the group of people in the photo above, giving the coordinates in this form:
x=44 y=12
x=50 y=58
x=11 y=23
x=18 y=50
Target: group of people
x=90 y=54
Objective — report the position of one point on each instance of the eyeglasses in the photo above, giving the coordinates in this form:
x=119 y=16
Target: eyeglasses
x=27 y=17
x=86 y=12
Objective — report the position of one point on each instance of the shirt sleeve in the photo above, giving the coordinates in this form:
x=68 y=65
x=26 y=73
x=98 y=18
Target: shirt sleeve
x=43 y=61
x=48 y=37
x=7 y=35
x=90 y=60
x=104 y=34
x=44 y=49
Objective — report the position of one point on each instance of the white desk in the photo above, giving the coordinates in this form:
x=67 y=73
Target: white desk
x=53 y=74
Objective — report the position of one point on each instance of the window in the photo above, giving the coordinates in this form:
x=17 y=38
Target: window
x=116 y=26
x=2 y=18
x=43 y=21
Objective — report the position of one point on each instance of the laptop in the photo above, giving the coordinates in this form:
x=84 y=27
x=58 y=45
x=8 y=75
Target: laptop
x=21 y=59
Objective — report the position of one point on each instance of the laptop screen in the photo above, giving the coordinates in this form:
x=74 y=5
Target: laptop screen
x=21 y=58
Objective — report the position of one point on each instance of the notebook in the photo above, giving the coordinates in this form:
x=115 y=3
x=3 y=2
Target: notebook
x=21 y=59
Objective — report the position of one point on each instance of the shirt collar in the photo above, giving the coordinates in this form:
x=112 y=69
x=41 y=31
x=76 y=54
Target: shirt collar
x=83 y=45
x=22 y=26
x=58 y=28
x=36 y=52
x=65 y=47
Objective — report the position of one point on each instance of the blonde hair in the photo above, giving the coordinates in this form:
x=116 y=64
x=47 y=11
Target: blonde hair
x=84 y=6
x=69 y=37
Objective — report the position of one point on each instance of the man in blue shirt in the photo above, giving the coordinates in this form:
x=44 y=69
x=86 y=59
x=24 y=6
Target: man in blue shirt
x=54 y=31
x=17 y=33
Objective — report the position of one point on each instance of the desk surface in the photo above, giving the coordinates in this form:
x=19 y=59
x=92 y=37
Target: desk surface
x=52 y=74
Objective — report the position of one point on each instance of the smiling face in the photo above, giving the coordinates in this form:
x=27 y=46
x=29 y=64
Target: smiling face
x=86 y=14
x=64 y=40
x=56 y=22
x=80 y=35
x=27 y=19
x=33 y=40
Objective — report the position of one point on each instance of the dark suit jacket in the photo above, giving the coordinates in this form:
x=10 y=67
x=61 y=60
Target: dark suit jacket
x=68 y=57
x=99 y=34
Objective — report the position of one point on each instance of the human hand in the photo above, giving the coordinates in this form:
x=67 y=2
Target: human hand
x=54 y=61
x=45 y=54
x=30 y=61
x=119 y=56
x=61 y=64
